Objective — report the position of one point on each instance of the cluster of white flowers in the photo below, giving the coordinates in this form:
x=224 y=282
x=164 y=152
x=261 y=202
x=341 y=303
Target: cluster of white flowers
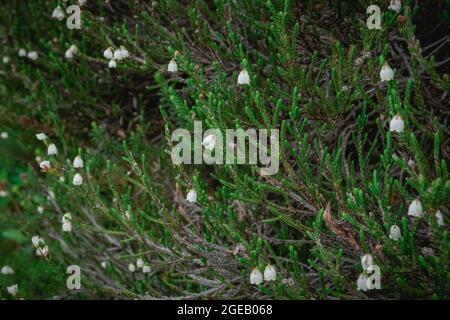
x=71 y=52
x=66 y=222
x=140 y=264
x=78 y=164
x=115 y=55
x=41 y=247
x=32 y=55
x=366 y=262
x=270 y=274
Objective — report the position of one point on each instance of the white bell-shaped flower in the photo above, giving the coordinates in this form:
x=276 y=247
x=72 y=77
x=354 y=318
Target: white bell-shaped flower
x=397 y=124
x=415 y=209
x=362 y=282
x=270 y=274
x=77 y=180
x=45 y=165
x=172 y=66
x=4 y=135
x=395 y=5
x=67 y=226
x=58 y=13
x=209 y=141
x=112 y=64
x=104 y=264
x=131 y=267
x=52 y=150
x=439 y=218
x=108 y=53
x=146 y=269
x=118 y=55
x=7 y=270
x=395 y=233
x=42 y=251
x=12 y=290
x=71 y=52
x=191 y=196
x=22 y=52
x=37 y=241
x=366 y=261
x=140 y=263
x=67 y=217
x=243 y=77
x=256 y=277
x=78 y=162
x=40 y=210
x=33 y=55
x=124 y=52
x=41 y=136
x=386 y=73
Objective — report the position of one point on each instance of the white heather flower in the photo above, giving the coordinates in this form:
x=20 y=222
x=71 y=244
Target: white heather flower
x=36 y=241
x=140 y=263
x=71 y=52
x=42 y=252
x=244 y=77
x=40 y=210
x=12 y=290
x=104 y=264
x=146 y=269
x=209 y=141
x=439 y=218
x=67 y=226
x=172 y=66
x=6 y=60
x=112 y=64
x=395 y=233
x=395 y=5
x=77 y=180
x=6 y=270
x=270 y=274
x=78 y=162
x=415 y=209
x=58 y=13
x=4 y=135
x=51 y=150
x=62 y=179
x=41 y=136
x=191 y=196
x=67 y=217
x=44 y=165
x=118 y=55
x=397 y=124
x=386 y=73
x=22 y=52
x=108 y=53
x=51 y=195
x=33 y=55
x=131 y=267
x=362 y=282
x=366 y=261
x=124 y=51
x=256 y=277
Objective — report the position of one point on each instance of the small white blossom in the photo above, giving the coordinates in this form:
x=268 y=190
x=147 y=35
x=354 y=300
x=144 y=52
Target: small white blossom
x=37 y=241
x=191 y=196
x=415 y=209
x=362 y=282
x=41 y=136
x=118 y=55
x=52 y=150
x=104 y=264
x=131 y=267
x=6 y=60
x=112 y=64
x=395 y=233
x=7 y=270
x=124 y=51
x=439 y=218
x=366 y=261
x=81 y=2
x=12 y=290
x=22 y=52
x=62 y=179
x=67 y=217
x=270 y=274
x=140 y=263
x=172 y=66
x=40 y=210
x=397 y=124
x=67 y=226
x=209 y=142
x=243 y=78
x=4 y=135
x=256 y=277
x=395 y=5
x=71 y=52
x=33 y=55
x=386 y=73
x=77 y=180
x=45 y=165
x=58 y=13
x=42 y=252
x=78 y=162
x=3 y=193
x=146 y=269
x=108 y=53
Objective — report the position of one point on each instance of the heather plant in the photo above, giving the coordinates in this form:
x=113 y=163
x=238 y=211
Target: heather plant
x=358 y=208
